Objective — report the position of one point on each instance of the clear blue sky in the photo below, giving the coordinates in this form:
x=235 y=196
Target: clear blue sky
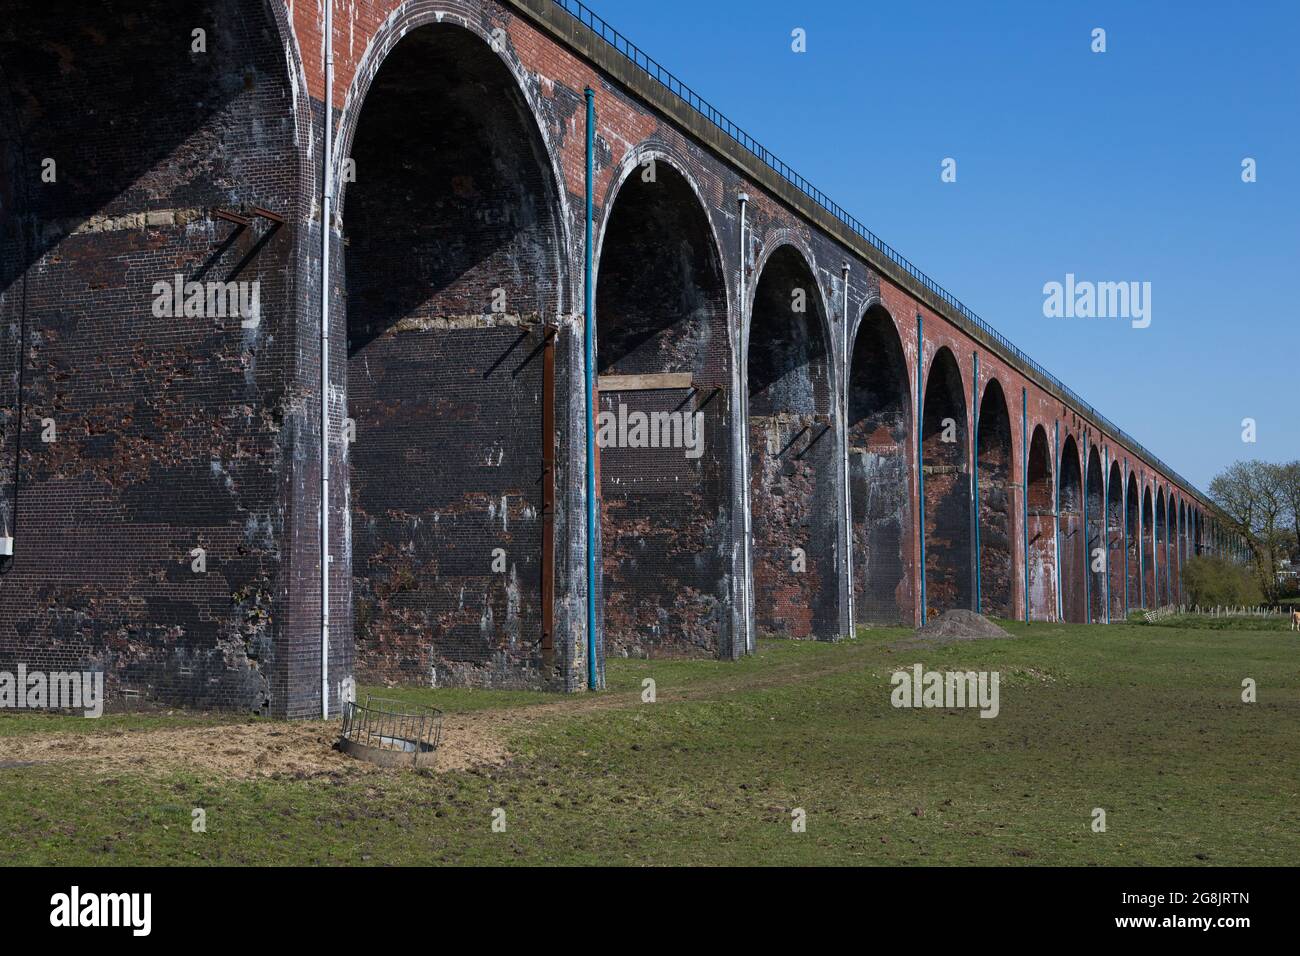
x=1124 y=165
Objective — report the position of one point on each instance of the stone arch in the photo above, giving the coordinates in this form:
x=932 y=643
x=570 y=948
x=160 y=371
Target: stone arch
x=793 y=484
x=879 y=437
x=945 y=459
x=996 y=521
x=664 y=356
x=454 y=269
x=1042 y=531
x=1074 y=607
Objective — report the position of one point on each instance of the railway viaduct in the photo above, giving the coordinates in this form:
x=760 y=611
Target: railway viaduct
x=843 y=443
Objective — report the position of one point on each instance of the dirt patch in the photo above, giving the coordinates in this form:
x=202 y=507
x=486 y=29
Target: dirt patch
x=958 y=625
x=239 y=751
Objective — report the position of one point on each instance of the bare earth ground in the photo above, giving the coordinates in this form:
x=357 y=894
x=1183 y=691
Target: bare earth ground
x=303 y=749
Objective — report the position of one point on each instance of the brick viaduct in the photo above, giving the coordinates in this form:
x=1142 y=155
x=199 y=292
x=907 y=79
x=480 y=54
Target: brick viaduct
x=161 y=477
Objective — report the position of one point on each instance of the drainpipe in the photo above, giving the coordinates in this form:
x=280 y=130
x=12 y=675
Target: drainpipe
x=1124 y=523
x=1024 y=486
x=1087 y=557
x=747 y=591
x=1142 y=557
x=920 y=456
x=844 y=429
x=975 y=473
x=1056 y=517
x=1105 y=524
x=326 y=214
x=588 y=359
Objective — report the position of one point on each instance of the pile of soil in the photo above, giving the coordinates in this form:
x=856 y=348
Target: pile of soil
x=958 y=625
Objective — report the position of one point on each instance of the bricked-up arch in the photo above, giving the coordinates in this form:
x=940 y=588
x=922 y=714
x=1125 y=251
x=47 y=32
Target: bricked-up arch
x=1042 y=536
x=1096 y=541
x=792 y=451
x=1162 y=555
x=661 y=307
x=1115 y=540
x=996 y=524
x=1071 y=532
x=1132 y=504
x=1148 y=550
x=173 y=431
x=945 y=457
x=452 y=270
x=880 y=467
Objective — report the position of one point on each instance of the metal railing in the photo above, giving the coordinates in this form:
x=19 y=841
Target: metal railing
x=652 y=68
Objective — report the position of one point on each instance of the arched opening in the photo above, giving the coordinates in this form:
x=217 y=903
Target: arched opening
x=1183 y=544
x=944 y=459
x=793 y=467
x=1162 y=550
x=1042 y=531
x=879 y=430
x=1132 y=504
x=1096 y=547
x=1074 y=604
x=993 y=444
x=452 y=266
x=1148 y=551
x=1115 y=541
x=664 y=431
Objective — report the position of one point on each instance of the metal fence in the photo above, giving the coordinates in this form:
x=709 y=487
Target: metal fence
x=656 y=71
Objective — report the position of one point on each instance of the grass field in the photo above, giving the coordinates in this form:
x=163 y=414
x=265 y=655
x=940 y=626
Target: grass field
x=1145 y=722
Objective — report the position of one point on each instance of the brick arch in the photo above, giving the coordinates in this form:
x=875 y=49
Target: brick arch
x=1041 y=556
x=879 y=438
x=1096 y=514
x=1148 y=548
x=997 y=523
x=663 y=349
x=793 y=485
x=1115 y=541
x=453 y=268
x=1161 y=527
x=1071 y=532
x=945 y=442
x=1133 y=535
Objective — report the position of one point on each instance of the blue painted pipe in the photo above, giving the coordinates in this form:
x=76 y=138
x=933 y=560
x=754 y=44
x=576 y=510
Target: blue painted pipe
x=975 y=495
x=920 y=456
x=588 y=357
x=1024 y=485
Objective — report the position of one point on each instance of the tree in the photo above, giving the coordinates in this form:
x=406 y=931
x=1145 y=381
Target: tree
x=1291 y=492
x=1253 y=495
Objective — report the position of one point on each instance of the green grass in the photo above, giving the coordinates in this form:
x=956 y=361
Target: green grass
x=1145 y=722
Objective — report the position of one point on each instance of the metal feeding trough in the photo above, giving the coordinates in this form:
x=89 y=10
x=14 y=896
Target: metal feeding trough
x=391 y=733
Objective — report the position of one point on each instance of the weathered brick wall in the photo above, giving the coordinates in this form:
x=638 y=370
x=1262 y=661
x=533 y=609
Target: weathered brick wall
x=996 y=524
x=880 y=457
x=1115 y=541
x=944 y=438
x=793 y=454
x=168 y=433
x=1096 y=547
x=1042 y=529
x=1072 y=534
x=198 y=432
x=451 y=269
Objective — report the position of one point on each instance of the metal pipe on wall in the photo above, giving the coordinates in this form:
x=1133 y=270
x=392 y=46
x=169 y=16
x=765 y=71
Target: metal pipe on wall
x=747 y=546
x=325 y=224
x=846 y=462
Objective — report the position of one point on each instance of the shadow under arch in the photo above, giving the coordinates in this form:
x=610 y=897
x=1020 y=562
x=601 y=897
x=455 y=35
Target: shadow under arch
x=879 y=437
x=793 y=484
x=454 y=266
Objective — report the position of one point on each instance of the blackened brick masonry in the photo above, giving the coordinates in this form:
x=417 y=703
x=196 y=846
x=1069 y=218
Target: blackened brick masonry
x=159 y=472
